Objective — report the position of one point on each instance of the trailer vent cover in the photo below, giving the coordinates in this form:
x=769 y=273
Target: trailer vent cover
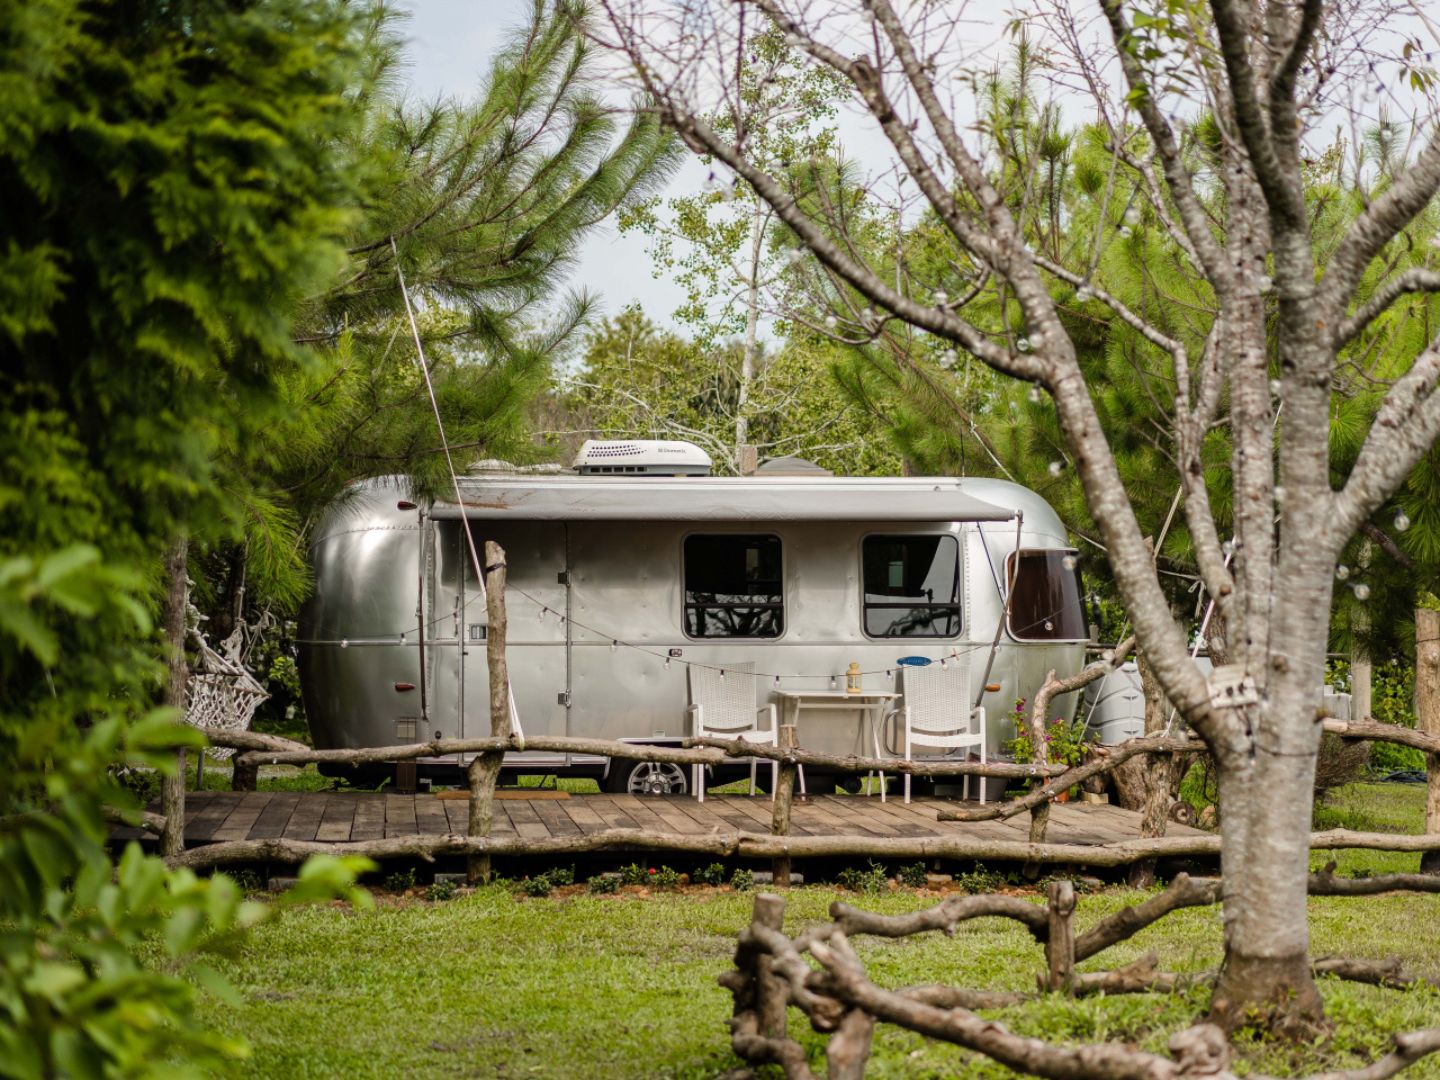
x=641 y=458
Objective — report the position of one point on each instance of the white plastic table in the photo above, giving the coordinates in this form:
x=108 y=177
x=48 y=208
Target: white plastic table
x=869 y=704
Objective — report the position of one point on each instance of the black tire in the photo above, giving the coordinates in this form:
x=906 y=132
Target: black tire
x=647 y=778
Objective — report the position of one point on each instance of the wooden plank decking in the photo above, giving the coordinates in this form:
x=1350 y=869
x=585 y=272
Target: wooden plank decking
x=336 y=817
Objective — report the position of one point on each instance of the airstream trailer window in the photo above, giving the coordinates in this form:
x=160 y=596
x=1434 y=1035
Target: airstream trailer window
x=1045 y=598
x=733 y=586
x=912 y=586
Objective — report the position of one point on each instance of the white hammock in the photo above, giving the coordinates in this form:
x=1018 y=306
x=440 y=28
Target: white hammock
x=221 y=694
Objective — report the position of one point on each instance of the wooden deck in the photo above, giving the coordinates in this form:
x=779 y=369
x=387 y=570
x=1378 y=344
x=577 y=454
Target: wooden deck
x=336 y=817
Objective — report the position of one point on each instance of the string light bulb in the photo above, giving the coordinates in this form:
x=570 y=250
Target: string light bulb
x=614 y=645
x=722 y=674
x=1056 y=467
x=1035 y=394
x=1068 y=562
x=1402 y=521
x=344 y=643
x=1362 y=591
x=1342 y=572
x=667 y=663
x=832 y=682
x=831 y=322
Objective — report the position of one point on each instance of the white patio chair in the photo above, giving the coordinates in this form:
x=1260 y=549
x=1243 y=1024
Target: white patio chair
x=722 y=706
x=936 y=710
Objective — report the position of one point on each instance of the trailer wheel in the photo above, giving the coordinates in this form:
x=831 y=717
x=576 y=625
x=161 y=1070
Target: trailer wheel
x=647 y=778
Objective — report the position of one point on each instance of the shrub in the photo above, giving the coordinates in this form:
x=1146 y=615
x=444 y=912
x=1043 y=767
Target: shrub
x=914 y=875
x=742 y=880
x=634 y=874
x=1387 y=757
x=603 y=883
x=249 y=880
x=979 y=880
x=665 y=878
x=873 y=879
x=441 y=890
x=561 y=875
x=714 y=874
x=401 y=880
x=1340 y=762
x=539 y=885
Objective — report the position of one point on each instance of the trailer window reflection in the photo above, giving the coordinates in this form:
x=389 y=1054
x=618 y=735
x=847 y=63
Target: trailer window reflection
x=912 y=586
x=1045 y=598
x=733 y=586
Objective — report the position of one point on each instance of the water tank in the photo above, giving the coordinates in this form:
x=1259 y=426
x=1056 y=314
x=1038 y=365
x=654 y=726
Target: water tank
x=1114 y=706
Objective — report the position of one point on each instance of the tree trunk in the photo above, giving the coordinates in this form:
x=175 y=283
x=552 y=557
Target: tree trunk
x=752 y=323
x=1361 y=698
x=1156 y=771
x=1427 y=715
x=172 y=788
x=484 y=769
x=1265 y=979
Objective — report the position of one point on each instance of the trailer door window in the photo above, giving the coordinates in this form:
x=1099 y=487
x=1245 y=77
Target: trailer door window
x=733 y=586
x=1045 y=597
x=912 y=586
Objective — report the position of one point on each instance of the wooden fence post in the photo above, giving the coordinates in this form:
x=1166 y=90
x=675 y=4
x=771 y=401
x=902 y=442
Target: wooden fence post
x=484 y=769
x=172 y=788
x=1060 y=943
x=784 y=797
x=1427 y=715
x=772 y=993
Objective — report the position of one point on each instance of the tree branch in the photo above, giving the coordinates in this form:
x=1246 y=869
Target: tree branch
x=1415 y=279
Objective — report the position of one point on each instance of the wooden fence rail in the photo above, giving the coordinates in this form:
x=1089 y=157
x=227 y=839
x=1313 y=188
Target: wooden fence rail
x=487 y=754
x=835 y=993
x=779 y=846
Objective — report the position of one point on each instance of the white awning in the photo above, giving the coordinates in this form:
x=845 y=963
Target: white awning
x=720 y=498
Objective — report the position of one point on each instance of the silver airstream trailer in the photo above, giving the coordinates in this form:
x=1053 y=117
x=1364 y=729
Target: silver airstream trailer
x=637 y=564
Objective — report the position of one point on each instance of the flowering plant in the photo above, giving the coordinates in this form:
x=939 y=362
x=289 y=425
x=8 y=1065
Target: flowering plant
x=1065 y=741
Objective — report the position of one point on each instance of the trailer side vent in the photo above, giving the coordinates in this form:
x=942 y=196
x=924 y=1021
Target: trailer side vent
x=641 y=457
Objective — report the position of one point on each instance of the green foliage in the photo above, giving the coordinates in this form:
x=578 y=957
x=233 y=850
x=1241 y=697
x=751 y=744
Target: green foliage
x=168 y=195
x=603 y=883
x=544 y=884
x=979 y=880
x=742 y=880
x=634 y=874
x=639 y=380
x=441 y=890
x=665 y=878
x=871 y=879
x=401 y=880
x=914 y=876
x=1065 y=741
x=714 y=874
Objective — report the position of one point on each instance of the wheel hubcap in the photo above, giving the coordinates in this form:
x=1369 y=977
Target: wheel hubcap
x=656 y=778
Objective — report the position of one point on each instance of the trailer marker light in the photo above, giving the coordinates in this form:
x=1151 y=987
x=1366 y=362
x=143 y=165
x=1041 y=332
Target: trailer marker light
x=992 y=687
x=403 y=686
x=404 y=504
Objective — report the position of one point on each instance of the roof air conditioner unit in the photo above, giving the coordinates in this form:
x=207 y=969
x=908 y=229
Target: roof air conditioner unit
x=637 y=457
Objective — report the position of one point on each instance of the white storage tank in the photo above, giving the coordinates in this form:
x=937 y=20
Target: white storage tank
x=1114 y=706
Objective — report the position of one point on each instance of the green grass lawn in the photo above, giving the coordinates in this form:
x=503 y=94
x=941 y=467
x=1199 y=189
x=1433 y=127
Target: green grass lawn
x=496 y=984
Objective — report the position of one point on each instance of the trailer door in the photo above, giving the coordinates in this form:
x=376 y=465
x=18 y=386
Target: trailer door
x=536 y=631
